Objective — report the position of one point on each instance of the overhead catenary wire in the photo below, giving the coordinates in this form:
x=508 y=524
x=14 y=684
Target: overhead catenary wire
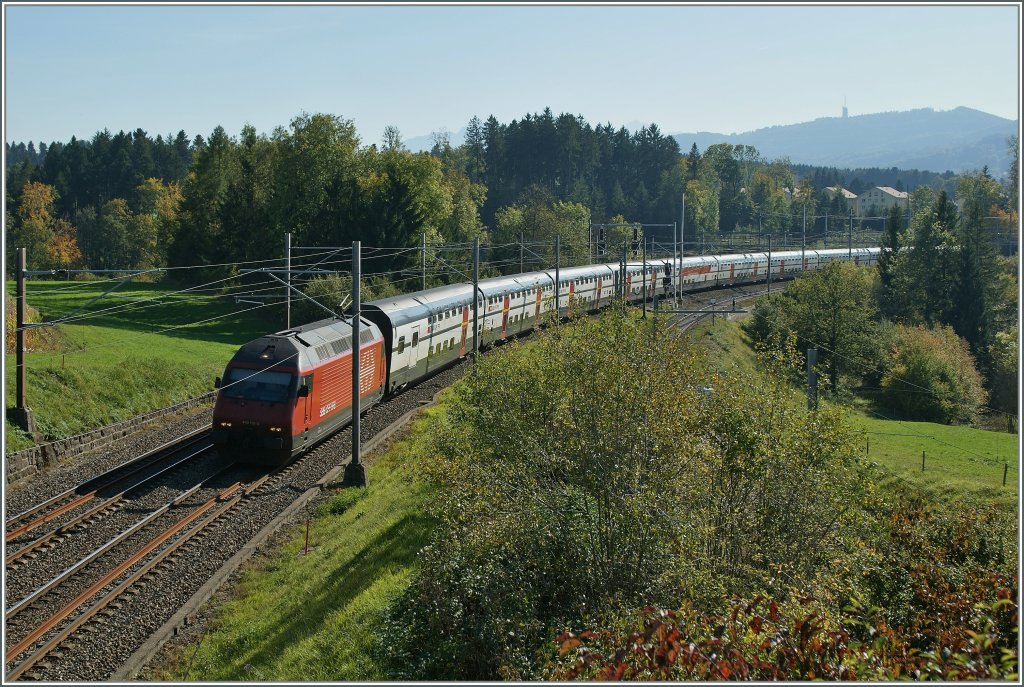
x=128 y=307
x=86 y=270
x=928 y=436
x=137 y=335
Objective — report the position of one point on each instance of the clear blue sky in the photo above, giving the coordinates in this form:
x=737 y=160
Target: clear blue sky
x=73 y=70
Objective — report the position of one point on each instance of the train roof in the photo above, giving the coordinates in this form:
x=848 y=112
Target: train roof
x=305 y=344
x=567 y=273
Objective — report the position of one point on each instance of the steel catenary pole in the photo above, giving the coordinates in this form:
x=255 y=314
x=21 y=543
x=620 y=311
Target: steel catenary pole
x=288 y=280
x=21 y=416
x=355 y=471
x=476 y=297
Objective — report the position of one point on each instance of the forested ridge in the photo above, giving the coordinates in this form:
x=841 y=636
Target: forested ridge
x=131 y=201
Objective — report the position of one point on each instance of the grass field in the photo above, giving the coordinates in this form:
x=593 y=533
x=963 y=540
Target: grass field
x=139 y=348
x=956 y=459
x=312 y=617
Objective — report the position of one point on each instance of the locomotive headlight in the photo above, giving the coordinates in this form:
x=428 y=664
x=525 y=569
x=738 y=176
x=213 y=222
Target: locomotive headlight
x=275 y=429
x=225 y=424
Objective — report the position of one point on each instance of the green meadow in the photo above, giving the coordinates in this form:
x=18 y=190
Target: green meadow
x=956 y=459
x=138 y=348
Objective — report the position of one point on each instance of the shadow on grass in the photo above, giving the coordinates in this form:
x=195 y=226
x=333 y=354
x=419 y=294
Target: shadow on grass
x=395 y=547
x=144 y=308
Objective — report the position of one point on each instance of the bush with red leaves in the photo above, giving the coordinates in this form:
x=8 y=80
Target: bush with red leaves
x=761 y=639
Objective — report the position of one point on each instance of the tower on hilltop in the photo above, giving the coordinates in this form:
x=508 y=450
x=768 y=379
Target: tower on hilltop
x=846 y=113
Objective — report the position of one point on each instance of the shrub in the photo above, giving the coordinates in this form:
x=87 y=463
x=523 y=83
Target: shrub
x=934 y=597
x=605 y=467
x=930 y=375
x=761 y=639
x=37 y=339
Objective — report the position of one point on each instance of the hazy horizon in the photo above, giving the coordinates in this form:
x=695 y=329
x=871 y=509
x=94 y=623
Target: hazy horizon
x=454 y=132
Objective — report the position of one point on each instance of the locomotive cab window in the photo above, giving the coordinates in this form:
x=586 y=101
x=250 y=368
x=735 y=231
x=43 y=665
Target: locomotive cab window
x=257 y=385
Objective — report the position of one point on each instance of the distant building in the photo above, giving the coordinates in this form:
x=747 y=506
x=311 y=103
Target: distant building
x=849 y=196
x=793 y=194
x=881 y=199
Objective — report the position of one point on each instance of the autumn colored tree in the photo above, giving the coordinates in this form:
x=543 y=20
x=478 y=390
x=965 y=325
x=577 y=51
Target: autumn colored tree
x=155 y=215
x=50 y=242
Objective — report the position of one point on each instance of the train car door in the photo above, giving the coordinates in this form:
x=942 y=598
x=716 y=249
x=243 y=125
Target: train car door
x=414 y=341
x=597 y=295
x=306 y=399
x=536 y=313
x=732 y=272
x=504 y=316
x=465 y=326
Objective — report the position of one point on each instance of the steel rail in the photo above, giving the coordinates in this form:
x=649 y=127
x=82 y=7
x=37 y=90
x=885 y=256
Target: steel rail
x=63 y=495
x=228 y=497
x=74 y=568
x=148 y=548
x=108 y=503
x=61 y=529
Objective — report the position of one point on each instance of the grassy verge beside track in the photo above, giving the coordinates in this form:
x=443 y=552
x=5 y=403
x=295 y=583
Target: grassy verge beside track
x=312 y=617
x=140 y=348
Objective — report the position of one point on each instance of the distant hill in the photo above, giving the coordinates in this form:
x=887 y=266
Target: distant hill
x=955 y=140
x=419 y=144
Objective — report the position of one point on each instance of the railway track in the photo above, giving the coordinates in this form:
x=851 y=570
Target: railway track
x=96 y=524
x=131 y=569
x=85 y=620
x=97 y=497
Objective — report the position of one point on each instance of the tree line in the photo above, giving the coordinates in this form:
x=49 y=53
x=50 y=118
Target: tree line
x=130 y=201
x=861 y=179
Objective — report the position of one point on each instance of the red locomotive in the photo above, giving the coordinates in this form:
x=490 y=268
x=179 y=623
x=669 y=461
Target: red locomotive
x=284 y=392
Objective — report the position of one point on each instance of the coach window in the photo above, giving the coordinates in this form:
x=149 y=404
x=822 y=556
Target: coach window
x=415 y=338
x=401 y=344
